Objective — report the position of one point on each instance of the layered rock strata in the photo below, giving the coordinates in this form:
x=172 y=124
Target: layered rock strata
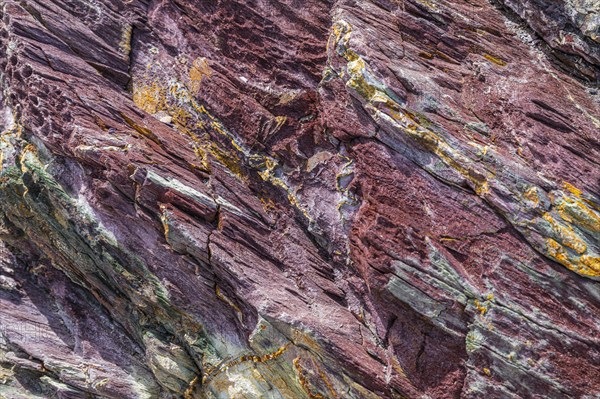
x=284 y=199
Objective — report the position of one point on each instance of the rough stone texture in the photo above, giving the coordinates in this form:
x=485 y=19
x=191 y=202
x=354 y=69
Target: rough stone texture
x=300 y=199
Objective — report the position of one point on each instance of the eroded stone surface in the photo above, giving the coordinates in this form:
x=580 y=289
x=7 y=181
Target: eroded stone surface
x=282 y=199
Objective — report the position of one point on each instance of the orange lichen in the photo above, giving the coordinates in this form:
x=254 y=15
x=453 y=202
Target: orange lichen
x=556 y=251
x=585 y=265
x=452 y=239
x=100 y=122
x=325 y=380
x=577 y=212
x=304 y=381
x=480 y=307
x=243 y=359
x=566 y=235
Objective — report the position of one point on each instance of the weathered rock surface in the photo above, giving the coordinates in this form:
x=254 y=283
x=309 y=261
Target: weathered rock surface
x=285 y=199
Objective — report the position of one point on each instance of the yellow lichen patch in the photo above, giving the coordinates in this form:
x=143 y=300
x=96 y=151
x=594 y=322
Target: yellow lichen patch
x=150 y=98
x=591 y=263
x=177 y=100
x=303 y=340
x=218 y=127
x=180 y=117
x=280 y=121
x=451 y=239
x=481 y=187
x=142 y=130
x=532 y=195
x=198 y=70
x=578 y=213
x=268 y=204
x=586 y=265
x=495 y=60
x=374 y=93
x=556 y=251
x=228 y=159
x=356 y=68
x=480 y=308
x=359 y=77
x=342 y=31
x=438 y=146
x=267 y=167
x=164 y=218
x=484 y=151
x=186 y=114
x=125 y=43
x=428 y=4
x=572 y=189
x=566 y=235
x=28 y=154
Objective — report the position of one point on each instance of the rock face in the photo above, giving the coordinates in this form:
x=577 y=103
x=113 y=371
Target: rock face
x=300 y=199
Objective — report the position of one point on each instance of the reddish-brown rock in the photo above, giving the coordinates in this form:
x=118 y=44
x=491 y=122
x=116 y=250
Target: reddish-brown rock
x=283 y=199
